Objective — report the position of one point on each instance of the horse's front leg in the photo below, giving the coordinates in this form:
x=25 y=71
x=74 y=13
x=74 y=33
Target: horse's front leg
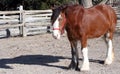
x=85 y=65
x=75 y=57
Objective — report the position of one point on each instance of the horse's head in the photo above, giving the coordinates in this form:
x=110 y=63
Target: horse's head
x=58 y=21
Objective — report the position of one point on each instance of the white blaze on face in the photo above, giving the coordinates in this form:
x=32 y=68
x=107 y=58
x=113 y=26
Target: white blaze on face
x=56 y=31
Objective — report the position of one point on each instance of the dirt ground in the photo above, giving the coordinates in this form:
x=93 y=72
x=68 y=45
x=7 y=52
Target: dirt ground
x=42 y=54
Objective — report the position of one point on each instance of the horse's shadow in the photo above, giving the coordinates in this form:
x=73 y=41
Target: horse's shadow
x=37 y=60
x=32 y=60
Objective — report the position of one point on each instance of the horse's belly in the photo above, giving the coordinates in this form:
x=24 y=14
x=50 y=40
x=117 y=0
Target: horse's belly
x=97 y=34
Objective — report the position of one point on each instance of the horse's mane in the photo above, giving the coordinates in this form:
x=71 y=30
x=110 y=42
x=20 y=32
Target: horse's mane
x=64 y=6
x=58 y=9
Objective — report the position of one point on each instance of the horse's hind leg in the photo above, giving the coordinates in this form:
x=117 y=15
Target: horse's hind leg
x=110 y=50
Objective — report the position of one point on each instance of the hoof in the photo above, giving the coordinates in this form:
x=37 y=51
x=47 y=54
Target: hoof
x=108 y=62
x=74 y=68
x=110 y=58
x=85 y=67
x=77 y=69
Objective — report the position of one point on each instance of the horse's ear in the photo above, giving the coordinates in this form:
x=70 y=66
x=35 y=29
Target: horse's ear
x=63 y=8
x=53 y=6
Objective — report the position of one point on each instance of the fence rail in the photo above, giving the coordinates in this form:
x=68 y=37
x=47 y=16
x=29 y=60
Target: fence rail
x=117 y=10
x=26 y=21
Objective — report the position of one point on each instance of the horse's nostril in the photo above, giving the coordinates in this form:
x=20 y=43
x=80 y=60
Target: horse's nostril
x=56 y=36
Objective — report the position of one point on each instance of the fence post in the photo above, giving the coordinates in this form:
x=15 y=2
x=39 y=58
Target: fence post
x=24 y=26
x=21 y=11
x=111 y=2
x=22 y=20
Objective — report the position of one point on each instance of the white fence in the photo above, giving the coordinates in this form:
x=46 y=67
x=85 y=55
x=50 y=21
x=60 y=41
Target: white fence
x=24 y=22
x=117 y=10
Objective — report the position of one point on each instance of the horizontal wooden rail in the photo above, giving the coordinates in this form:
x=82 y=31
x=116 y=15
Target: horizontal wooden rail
x=10 y=12
x=10 y=25
x=25 y=20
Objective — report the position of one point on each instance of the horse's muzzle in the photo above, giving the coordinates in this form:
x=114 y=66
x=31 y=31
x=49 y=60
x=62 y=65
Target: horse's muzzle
x=56 y=34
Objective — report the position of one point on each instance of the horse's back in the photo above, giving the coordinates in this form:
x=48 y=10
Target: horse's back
x=94 y=21
x=102 y=19
x=108 y=12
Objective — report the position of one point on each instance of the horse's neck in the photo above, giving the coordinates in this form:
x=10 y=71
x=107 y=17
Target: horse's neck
x=74 y=13
x=74 y=10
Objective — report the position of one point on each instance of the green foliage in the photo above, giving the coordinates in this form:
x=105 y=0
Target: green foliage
x=30 y=4
x=34 y=4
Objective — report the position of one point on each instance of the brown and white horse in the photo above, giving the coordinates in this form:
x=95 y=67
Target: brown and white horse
x=84 y=23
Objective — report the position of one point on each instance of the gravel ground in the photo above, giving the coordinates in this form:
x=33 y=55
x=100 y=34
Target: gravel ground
x=41 y=54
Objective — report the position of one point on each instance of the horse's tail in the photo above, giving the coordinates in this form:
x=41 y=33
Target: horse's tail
x=112 y=15
x=113 y=18
x=113 y=21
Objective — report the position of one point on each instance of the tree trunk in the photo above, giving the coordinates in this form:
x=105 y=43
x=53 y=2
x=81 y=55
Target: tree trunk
x=87 y=3
x=105 y=1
